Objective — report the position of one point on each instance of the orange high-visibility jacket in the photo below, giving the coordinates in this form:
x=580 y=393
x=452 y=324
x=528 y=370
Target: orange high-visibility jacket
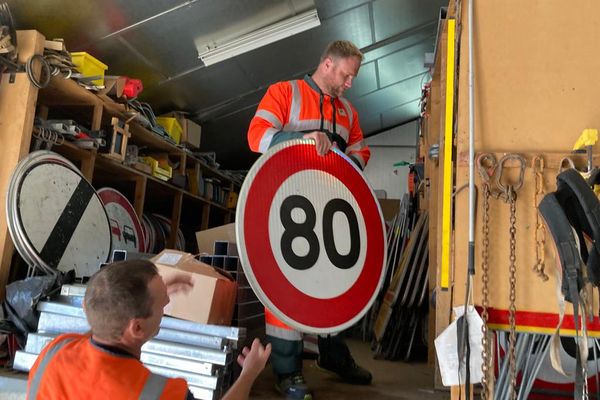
x=72 y=367
x=290 y=109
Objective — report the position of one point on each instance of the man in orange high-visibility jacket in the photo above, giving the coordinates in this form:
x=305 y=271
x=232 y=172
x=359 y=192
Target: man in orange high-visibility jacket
x=124 y=304
x=312 y=108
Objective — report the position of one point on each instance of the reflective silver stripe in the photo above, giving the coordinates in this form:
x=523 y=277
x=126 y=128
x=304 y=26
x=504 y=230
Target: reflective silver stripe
x=265 y=141
x=348 y=109
x=34 y=387
x=297 y=125
x=153 y=388
x=296 y=102
x=356 y=146
x=343 y=132
x=270 y=118
x=311 y=347
x=282 y=333
x=314 y=124
x=305 y=125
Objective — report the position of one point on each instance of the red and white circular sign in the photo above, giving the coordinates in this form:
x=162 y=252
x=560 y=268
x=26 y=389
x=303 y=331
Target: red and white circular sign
x=125 y=226
x=311 y=237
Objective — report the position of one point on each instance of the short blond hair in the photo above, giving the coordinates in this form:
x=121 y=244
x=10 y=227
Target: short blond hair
x=342 y=49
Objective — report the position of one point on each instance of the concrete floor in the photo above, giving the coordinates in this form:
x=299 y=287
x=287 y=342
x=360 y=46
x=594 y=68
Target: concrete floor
x=391 y=380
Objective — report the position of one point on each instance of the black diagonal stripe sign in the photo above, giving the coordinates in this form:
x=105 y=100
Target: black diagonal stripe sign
x=61 y=234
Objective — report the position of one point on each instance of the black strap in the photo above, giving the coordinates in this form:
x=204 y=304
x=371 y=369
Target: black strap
x=582 y=209
x=334 y=112
x=334 y=137
x=566 y=246
x=570 y=259
x=462 y=333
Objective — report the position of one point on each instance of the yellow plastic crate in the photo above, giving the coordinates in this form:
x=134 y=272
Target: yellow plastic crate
x=89 y=65
x=160 y=171
x=172 y=126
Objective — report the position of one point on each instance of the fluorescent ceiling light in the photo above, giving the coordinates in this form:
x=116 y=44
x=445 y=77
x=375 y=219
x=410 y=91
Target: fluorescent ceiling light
x=218 y=52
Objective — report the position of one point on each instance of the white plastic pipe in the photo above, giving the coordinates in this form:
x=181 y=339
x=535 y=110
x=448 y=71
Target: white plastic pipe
x=471 y=149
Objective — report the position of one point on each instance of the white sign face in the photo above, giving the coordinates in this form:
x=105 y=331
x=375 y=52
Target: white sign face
x=320 y=189
x=56 y=218
x=125 y=226
x=311 y=237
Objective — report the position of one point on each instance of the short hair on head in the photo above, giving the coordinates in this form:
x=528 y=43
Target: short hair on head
x=116 y=294
x=342 y=49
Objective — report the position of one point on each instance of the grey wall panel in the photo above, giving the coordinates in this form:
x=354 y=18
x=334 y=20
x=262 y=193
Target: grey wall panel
x=403 y=64
x=394 y=16
x=401 y=115
x=364 y=83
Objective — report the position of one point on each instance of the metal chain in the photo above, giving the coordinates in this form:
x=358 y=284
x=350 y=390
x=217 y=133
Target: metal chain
x=486 y=164
x=485 y=267
x=537 y=165
x=507 y=192
x=512 y=199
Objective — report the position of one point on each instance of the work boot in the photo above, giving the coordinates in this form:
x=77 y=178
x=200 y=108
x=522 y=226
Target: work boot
x=335 y=357
x=293 y=387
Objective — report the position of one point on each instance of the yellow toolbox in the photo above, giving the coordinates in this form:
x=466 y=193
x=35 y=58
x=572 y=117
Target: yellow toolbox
x=89 y=65
x=160 y=171
x=172 y=126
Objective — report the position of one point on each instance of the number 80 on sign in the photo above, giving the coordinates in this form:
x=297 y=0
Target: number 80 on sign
x=311 y=237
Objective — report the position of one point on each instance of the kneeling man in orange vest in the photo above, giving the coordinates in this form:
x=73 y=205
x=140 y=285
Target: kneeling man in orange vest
x=123 y=304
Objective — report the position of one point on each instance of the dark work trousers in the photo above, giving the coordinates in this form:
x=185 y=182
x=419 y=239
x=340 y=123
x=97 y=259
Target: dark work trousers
x=286 y=355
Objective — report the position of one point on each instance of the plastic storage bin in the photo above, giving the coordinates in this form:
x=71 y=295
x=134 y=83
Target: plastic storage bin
x=172 y=126
x=160 y=171
x=89 y=65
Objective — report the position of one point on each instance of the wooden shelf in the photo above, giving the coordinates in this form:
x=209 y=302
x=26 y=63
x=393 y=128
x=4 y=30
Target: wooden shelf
x=210 y=170
x=66 y=96
x=143 y=137
x=66 y=92
x=205 y=200
x=128 y=173
x=71 y=151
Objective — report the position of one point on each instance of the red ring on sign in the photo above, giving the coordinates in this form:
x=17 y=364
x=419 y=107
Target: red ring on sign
x=109 y=195
x=298 y=306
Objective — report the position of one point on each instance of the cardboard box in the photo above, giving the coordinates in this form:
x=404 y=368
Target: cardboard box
x=55 y=44
x=206 y=239
x=192 y=132
x=389 y=208
x=120 y=86
x=210 y=301
x=113 y=86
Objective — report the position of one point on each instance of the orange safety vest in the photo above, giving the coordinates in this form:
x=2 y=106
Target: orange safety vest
x=72 y=367
x=300 y=106
x=277 y=328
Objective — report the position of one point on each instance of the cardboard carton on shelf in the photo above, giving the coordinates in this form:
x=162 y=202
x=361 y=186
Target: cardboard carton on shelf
x=120 y=87
x=192 y=132
x=206 y=239
x=212 y=298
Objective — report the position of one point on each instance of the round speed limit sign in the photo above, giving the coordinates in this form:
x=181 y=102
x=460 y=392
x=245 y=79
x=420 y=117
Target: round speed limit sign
x=311 y=237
